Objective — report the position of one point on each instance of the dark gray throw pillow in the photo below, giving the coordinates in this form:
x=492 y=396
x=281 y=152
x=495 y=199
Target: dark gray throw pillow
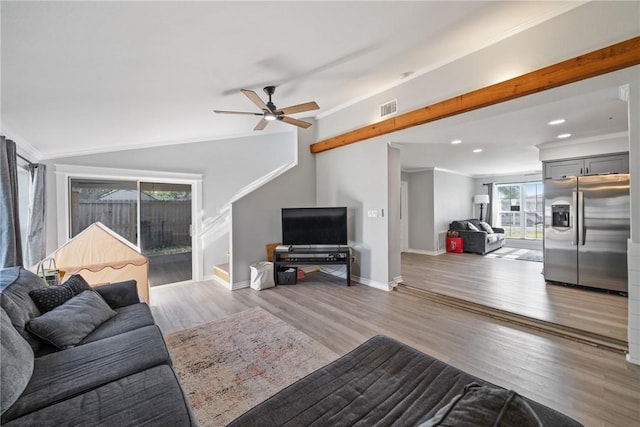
x=480 y=406
x=46 y=299
x=68 y=324
x=77 y=284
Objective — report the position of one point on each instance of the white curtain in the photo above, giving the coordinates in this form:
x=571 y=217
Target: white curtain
x=36 y=225
x=492 y=211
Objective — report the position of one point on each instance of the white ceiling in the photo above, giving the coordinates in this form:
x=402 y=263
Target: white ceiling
x=85 y=77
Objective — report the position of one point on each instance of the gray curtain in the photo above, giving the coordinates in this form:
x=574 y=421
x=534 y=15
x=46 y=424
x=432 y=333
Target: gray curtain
x=490 y=210
x=10 y=244
x=36 y=226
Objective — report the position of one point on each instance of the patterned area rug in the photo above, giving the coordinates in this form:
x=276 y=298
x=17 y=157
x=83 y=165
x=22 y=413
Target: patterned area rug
x=230 y=365
x=516 y=253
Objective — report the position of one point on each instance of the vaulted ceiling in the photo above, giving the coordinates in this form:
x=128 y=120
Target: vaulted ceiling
x=83 y=77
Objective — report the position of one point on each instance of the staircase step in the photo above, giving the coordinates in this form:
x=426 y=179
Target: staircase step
x=563 y=331
x=222 y=271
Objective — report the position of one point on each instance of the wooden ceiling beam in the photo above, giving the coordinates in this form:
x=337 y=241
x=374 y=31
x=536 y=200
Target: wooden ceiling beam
x=606 y=60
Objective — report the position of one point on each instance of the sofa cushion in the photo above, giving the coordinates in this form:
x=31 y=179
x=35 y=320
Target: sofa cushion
x=152 y=397
x=16 y=363
x=471 y=226
x=486 y=227
x=15 y=285
x=129 y=318
x=67 y=373
x=69 y=323
x=119 y=294
x=479 y=406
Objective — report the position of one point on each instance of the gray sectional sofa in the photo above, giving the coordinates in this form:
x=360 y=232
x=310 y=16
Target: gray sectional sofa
x=480 y=240
x=96 y=359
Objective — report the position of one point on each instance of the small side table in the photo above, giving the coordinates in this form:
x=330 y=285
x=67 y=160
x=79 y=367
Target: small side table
x=455 y=244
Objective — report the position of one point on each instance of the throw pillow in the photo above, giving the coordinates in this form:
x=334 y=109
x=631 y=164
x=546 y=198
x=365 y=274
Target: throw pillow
x=479 y=406
x=68 y=324
x=16 y=363
x=486 y=227
x=471 y=226
x=46 y=299
x=77 y=284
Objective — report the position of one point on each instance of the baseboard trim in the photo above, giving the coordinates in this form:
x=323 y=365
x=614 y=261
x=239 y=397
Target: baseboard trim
x=423 y=252
x=240 y=285
x=372 y=283
x=219 y=281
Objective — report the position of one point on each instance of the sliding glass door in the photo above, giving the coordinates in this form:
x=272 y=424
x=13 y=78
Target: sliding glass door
x=165 y=231
x=156 y=217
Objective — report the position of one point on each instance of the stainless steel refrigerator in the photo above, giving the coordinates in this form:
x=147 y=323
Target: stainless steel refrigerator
x=586 y=227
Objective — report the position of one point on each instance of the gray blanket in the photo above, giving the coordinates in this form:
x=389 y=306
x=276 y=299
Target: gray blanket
x=381 y=383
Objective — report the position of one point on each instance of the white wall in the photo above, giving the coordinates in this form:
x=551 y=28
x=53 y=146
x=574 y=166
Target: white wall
x=356 y=176
x=453 y=199
x=436 y=198
x=421 y=197
x=583 y=29
x=393 y=214
x=256 y=217
x=607 y=144
x=226 y=166
x=633 y=258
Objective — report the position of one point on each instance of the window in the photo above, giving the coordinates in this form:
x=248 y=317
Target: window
x=520 y=209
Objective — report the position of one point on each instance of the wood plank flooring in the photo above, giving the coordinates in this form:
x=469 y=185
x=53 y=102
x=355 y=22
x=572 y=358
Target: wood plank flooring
x=518 y=287
x=595 y=386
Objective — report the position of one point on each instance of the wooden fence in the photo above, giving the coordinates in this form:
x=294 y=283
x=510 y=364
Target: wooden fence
x=162 y=224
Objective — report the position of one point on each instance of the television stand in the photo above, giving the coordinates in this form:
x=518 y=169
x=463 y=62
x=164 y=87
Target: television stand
x=297 y=255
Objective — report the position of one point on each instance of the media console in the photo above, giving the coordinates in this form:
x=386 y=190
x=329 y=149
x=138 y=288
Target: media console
x=296 y=255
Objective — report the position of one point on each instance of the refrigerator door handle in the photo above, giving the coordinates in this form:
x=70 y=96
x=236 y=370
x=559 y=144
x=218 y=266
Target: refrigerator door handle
x=572 y=223
x=581 y=230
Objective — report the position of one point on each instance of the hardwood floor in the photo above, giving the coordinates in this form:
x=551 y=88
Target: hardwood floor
x=517 y=287
x=595 y=386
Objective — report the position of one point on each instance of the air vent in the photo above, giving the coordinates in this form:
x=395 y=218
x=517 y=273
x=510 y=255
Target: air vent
x=389 y=108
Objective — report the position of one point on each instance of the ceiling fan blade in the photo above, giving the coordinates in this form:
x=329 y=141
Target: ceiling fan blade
x=261 y=124
x=295 y=122
x=255 y=99
x=237 y=112
x=307 y=106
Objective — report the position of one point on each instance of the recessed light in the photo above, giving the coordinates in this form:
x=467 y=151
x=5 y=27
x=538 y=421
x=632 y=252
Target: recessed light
x=456 y=141
x=556 y=122
x=564 y=135
x=477 y=150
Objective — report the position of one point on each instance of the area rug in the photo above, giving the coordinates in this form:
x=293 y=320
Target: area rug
x=517 y=254
x=230 y=365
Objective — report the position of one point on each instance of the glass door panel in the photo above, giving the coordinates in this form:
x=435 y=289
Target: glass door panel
x=165 y=231
x=113 y=203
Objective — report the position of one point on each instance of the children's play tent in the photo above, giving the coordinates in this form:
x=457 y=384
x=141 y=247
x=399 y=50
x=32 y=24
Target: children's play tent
x=102 y=256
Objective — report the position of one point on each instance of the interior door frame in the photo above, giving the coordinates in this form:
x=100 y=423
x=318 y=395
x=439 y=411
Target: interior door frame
x=65 y=173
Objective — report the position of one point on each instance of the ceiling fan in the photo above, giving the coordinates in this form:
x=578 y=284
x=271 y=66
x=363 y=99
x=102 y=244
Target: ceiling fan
x=270 y=112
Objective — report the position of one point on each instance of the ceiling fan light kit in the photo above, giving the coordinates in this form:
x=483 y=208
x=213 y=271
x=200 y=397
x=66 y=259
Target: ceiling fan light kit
x=270 y=112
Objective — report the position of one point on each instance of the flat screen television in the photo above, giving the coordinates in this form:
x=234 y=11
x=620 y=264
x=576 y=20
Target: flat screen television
x=314 y=226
